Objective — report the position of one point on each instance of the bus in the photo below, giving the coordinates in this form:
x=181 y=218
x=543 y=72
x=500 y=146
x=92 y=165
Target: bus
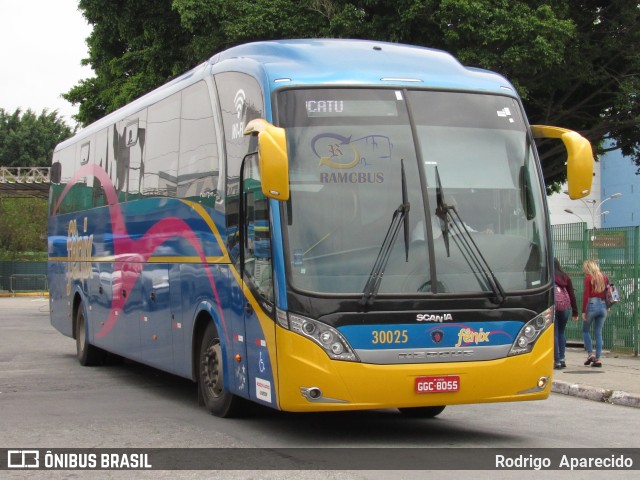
x=315 y=225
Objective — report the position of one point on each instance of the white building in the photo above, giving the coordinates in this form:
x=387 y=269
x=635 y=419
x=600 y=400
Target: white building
x=584 y=210
x=614 y=200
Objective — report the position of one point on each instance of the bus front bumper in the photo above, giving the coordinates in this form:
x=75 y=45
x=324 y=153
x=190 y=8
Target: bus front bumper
x=309 y=381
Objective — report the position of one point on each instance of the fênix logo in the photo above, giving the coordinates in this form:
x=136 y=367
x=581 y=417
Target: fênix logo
x=79 y=251
x=468 y=336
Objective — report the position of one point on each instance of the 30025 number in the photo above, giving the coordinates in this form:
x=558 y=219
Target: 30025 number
x=381 y=337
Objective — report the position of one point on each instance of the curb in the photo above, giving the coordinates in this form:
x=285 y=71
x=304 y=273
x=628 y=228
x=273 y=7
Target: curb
x=23 y=294
x=615 y=397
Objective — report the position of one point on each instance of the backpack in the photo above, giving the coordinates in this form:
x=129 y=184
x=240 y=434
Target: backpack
x=611 y=296
x=563 y=302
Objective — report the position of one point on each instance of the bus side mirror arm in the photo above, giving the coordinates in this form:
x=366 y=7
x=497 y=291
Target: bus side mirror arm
x=579 y=158
x=272 y=158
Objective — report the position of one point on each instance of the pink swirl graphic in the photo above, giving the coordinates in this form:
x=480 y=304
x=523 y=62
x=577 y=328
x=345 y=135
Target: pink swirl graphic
x=131 y=254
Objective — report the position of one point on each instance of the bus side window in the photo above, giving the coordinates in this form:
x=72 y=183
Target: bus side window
x=160 y=169
x=256 y=232
x=199 y=166
x=66 y=159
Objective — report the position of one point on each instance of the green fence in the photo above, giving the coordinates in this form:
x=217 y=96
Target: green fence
x=617 y=251
x=18 y=276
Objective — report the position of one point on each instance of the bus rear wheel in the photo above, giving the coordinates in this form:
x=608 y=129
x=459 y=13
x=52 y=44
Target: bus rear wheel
x=216 y=399
x=88 y=355
x=422 y=412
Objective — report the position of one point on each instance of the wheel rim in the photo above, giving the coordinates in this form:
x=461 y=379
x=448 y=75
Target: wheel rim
x=212 y=370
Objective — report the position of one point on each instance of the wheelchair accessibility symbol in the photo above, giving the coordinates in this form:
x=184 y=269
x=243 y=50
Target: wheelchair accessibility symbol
x=261 y=365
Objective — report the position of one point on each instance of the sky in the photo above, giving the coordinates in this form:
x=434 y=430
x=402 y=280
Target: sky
x=41 y=45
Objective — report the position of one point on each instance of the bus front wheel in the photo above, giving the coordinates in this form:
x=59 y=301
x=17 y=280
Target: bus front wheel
x=216 y=399
x=422 y=412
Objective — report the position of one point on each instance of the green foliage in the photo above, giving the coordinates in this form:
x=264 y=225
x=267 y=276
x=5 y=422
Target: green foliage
x=23 y=226
x=594 y=89
x=574 y=62
x=10 y=256
x=134 y=47
x=28 y=140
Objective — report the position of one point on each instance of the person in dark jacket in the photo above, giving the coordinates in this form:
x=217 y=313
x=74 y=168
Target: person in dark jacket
x=563 y=281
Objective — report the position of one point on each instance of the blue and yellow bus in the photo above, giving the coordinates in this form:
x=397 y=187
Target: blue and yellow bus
x=315 y=225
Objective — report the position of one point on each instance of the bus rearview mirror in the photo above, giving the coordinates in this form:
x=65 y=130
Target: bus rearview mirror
x=579 y=158
x=272 y=158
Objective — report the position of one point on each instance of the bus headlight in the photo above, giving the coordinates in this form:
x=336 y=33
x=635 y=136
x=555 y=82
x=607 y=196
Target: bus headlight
x=530 y=332
x=330 y=339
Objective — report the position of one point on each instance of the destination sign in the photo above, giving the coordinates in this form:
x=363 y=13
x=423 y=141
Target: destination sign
x=351 y=108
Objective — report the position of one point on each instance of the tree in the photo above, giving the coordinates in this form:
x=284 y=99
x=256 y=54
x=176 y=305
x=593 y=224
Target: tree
x=135 y=45
x=595 y=88
x=27 y=140
x=575 y=63
x=23 y=226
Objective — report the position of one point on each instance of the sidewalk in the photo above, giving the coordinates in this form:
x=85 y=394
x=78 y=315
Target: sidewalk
x=617 y=382
x=5 y=294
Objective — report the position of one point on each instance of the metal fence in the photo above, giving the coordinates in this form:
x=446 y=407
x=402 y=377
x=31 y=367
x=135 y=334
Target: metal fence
x=23 y=277
x=617 y=251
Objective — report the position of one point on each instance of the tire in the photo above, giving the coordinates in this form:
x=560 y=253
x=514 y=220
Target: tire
x=422 y=412
x=88 y=355
x=216 y=399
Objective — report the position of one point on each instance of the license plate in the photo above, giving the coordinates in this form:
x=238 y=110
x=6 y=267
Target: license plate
x=440 y=384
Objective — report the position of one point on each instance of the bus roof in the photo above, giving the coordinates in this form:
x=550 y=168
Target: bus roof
x=325 y=62
x=341 y=62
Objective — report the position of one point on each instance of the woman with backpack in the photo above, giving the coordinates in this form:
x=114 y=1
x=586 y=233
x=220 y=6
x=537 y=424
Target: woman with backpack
x=594 y=309
x=565 y=304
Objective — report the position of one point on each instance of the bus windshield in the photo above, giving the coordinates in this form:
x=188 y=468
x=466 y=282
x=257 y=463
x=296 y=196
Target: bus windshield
x=476 y=218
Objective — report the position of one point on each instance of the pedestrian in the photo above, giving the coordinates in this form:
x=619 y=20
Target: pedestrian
x=565 y=304
x=594 y=310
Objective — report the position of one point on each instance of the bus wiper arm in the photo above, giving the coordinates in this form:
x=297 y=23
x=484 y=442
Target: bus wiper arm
x=407 y=207
x=467 y=245
x=400 y=215
x=442 y=210
x=448 y=214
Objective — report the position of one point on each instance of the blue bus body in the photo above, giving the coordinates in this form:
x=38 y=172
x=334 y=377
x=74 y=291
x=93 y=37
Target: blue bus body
x=146 y=241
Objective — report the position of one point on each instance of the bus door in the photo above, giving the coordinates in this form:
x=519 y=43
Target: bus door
x=258 y=283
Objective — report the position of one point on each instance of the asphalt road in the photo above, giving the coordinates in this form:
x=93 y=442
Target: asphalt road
x=47 y=400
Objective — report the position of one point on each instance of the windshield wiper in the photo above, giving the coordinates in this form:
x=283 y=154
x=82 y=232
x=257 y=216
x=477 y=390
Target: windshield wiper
x=400 y=215
x=465 y=243
x=442 y=211
x=448 y=214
